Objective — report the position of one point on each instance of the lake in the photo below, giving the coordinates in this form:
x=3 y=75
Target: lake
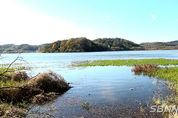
x=108 y=91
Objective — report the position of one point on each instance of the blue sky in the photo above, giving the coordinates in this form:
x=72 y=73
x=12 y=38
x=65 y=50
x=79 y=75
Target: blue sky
x=135 y=20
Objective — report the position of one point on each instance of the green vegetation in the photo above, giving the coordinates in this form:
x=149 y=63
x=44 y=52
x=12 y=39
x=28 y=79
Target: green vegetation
x=73 y=45
x=10 y=69
x=173 y=45
x=24 y=48
x=166 y=73
x=149 y=67
x=116 y=44
x=129 y=62
x=146 y=66
x=85 y=45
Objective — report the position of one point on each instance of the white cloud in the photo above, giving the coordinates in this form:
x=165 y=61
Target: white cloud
x=19 y=25
x=153 y=17
x=176 y=19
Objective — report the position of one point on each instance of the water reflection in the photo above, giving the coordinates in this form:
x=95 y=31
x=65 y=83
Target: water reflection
x=110 y=91
x=106 y=89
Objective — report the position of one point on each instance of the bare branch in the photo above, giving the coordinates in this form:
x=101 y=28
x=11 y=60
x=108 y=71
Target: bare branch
x=10 y=66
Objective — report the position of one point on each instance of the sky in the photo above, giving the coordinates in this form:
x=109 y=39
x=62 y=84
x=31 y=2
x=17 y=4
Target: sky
x=44 y=21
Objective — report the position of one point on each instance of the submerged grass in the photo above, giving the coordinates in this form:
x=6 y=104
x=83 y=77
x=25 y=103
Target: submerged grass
x=148 y=67
x=166 y=73
x=128 y=62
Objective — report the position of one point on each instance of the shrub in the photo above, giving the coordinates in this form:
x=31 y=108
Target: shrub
x=144 y=68
x=19 y=76
x=49 y=82
x=42 y=84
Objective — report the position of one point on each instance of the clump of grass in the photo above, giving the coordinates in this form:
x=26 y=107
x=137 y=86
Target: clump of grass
x=44 y=97
x=8 y=83
x=19 y=76
x=13 y=79
x=42 y=84
x=17 y=94
x=128 y=62
x=86 y=105
x=166 y=73
x=144 y=68
x=20 y=91
x=49 y=82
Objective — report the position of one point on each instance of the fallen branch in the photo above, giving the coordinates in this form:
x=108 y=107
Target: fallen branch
x=20 y=87
x=7 y=69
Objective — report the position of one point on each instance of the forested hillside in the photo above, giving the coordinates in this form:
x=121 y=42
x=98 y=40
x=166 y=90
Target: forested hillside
x=116 y=44
x=24 y=48
x=85 y=45
x=74 y=45
x=161 y=45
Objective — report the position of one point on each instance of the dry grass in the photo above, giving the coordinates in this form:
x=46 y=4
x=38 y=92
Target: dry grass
x=43 y=98
x=14 y=76
x=19 y=76
x=13 y=113
x=9 y=111
x=49 y=82
x=42 y=84
x=17 y=94
x=39 y=90
x=144 y=68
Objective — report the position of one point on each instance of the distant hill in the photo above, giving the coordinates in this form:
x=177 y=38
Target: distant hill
x=24 y=48
x=172 y=45
x=74 y=45
x=85 y=45
x=116 y=44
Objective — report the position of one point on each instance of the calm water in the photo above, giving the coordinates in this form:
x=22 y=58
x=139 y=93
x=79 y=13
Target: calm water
x=107 y=90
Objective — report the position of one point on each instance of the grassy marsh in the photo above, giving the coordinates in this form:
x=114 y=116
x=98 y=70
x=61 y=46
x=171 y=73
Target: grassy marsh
x=170 y=74
x=127 y=62
x=147 y=67
x=166 y=73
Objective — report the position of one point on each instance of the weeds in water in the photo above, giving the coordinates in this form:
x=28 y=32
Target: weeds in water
x=85 y=105
x=144 y=68
x=166 y=73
